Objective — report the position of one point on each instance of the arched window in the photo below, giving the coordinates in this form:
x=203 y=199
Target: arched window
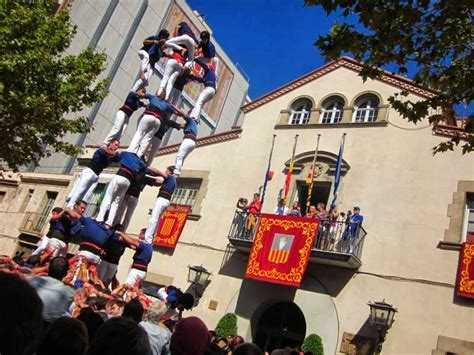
x=300 y=112
x=332 y=111
x=366 y=110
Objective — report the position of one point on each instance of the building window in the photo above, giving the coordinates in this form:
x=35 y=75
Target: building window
x=366 y=110
x=43 y=216
x=26 y=200
x=468 y=227
x=2 y=196
x=186 y=192
x=96 y=199
x=332 y=112
x=300 y=112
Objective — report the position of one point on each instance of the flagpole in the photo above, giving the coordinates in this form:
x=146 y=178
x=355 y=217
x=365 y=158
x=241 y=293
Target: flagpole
x=266 y=173
x=290 y=170
x=337 y=177
x=310 y=189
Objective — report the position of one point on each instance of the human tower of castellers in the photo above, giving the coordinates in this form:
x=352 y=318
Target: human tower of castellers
x=103 y=239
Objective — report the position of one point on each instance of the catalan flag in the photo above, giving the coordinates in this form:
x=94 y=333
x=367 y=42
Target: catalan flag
x=310 y=178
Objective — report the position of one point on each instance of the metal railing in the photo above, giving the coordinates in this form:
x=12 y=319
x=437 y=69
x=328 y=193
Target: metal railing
x=332 y=236
x=34 y=222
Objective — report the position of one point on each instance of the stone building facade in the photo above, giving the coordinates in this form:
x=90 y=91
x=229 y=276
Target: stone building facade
x=416 y=209
x=414 y=206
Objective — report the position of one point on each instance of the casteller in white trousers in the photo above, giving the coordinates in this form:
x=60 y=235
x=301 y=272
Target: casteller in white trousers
x=187 y=145
x=122 y=117
x=162 y=202
x=89 y=177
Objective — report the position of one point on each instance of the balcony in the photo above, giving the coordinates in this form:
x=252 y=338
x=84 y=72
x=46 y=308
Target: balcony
x=33 y=223
x=337 y=243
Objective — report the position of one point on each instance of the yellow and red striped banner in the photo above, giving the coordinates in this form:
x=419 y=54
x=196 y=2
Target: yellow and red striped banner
x=171 y=225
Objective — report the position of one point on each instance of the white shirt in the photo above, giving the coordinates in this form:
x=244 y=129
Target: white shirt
x=281 y=211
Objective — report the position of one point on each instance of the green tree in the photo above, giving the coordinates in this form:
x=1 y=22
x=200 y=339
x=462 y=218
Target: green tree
x=43 y=88
x=227 y=325
x=436 y=37
x=313 y=343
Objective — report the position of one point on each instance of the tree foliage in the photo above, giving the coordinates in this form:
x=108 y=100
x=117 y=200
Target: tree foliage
x=435 y=37
x=227 y=325
x=43 y=88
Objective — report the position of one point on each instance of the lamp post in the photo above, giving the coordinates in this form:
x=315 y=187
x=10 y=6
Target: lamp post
x=381 y=318
x=198 y=276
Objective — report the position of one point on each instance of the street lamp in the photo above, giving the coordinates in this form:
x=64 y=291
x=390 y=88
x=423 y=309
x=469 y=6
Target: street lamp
x=198 y=275
x=381 y=318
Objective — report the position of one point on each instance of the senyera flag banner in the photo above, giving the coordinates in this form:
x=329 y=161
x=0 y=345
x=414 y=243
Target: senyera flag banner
x=465 y=278
x=281 y=249
x=171 y=225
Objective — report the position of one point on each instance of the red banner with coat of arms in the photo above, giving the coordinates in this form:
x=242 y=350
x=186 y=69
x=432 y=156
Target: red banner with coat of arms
x=281 y=249
x=465 y=279
x=171 y=225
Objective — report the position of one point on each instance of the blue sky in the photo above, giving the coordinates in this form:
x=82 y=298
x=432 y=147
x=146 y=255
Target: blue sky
x=272 y=40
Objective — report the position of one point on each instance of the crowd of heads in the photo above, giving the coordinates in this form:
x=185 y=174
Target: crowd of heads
x=93 y=319
x=96 y=320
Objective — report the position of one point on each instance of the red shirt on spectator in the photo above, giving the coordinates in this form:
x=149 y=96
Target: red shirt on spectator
x=254 y=206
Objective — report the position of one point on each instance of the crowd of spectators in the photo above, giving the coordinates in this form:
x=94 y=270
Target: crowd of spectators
x=338 y=231
x=44 y=312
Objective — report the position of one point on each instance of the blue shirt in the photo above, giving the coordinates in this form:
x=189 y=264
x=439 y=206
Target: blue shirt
x=138 y=184
x=191 y=126
x=132 y=162
x=167 y=187
x=352 y=229
x=209 y=78
x=67 y=227
x=94 y=231
x=100 y=160
x=182 y=80
x=154 y=50
x=113 y=250
x=159 y=106
x=184 y=29
x=146 y=47
x=133 y=101
x=143 y=253
x=164 y=126
x=208 y=49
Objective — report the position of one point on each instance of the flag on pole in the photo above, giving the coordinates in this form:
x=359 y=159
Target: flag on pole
x=290 y=170
x=337 y=178
x=310 y=178
x=268 y=174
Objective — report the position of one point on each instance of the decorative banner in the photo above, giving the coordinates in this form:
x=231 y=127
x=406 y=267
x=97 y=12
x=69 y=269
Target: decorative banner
x=281 y=249
x=465 y=279
x=171 y=225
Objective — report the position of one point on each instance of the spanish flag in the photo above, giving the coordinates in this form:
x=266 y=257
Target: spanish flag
x=288 y=179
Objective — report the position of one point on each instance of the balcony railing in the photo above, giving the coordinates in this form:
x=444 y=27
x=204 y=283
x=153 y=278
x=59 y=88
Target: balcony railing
x=337 y=243
x=34 y=222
